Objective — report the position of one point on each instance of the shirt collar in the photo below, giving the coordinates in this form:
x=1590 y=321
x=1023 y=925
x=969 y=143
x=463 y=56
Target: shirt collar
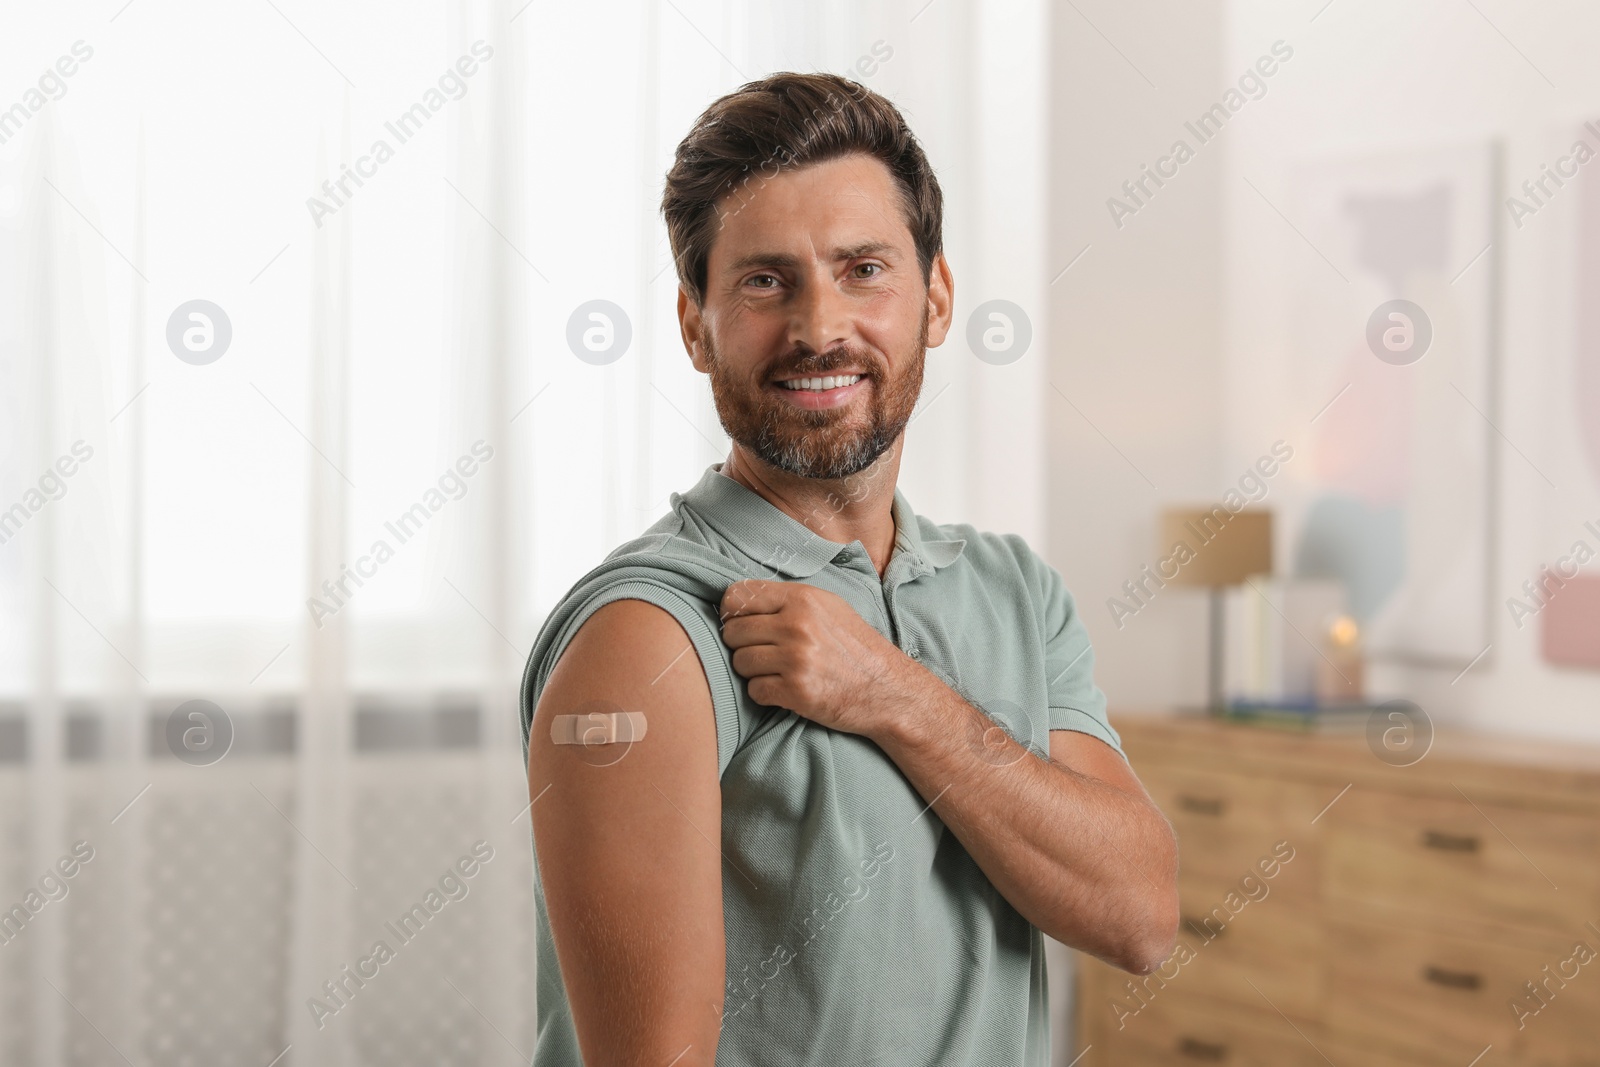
x=764 y=533
x=928 y=555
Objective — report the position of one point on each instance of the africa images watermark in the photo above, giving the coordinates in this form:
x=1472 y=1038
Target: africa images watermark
x=453 y=885
x=52 y=85
x=1399 y=733
x=1251 y=890
x=1552 y=579
x=54 y=885
x=1538 y=191
x=52 y=487
x=743 y=989
x=403 y=528
x=1253 y=488
x=337 y=191
x=1542 y=991
x=1252 y=85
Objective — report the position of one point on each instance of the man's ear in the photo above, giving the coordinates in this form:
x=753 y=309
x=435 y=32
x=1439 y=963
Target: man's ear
x=690 y=324
x=941 y=300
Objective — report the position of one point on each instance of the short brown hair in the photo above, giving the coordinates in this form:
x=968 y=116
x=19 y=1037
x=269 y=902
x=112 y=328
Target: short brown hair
x=790 y=120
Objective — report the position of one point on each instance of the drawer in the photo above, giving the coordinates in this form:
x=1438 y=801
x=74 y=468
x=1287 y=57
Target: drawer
x=1274 y=941
x=1446 y=859
x=1179 y=1027
x=1442 y=999
x=1344 y=1054
x=1227 y=823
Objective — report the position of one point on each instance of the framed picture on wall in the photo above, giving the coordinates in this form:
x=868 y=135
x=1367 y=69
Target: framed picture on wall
x=1555 y=593
x=1394 y=344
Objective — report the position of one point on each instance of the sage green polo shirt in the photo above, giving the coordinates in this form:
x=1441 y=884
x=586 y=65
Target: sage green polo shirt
x=859 y=930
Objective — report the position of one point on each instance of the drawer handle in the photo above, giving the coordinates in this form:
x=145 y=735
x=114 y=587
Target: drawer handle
x=1212 y=806
x=1196 y=1049
x=1452 y=979
x=1197 y=923
x=1449 y=842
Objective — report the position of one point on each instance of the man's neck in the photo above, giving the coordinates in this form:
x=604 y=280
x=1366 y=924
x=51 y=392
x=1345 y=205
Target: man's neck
x=856 y=508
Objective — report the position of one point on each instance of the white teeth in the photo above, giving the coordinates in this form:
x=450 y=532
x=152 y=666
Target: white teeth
x=817 y=385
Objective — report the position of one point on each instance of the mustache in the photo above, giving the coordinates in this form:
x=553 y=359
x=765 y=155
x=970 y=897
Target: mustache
x=822 y=364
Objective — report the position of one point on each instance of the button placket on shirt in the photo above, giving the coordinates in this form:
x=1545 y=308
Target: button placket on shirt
x=903 y=568
x=854 y=560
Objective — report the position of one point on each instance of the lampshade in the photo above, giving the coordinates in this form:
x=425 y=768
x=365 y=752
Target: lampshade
x=1223 y=547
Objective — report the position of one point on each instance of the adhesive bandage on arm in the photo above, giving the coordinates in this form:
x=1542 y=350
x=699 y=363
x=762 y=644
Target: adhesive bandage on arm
x=597 y=728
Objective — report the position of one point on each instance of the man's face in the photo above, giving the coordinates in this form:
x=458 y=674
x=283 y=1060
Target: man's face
x=814 y=275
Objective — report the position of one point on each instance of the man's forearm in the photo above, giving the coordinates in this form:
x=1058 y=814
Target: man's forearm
x=1090 y=864
x=1079 y=850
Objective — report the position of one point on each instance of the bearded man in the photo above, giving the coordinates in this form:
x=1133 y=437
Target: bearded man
x=813 y=775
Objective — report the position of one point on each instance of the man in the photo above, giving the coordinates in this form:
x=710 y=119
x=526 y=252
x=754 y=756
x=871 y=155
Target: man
x=834 y=832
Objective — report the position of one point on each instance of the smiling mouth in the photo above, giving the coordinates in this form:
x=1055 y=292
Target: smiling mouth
x=819 y=385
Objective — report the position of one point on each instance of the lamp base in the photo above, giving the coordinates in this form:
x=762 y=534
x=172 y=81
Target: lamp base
x=1216 y=704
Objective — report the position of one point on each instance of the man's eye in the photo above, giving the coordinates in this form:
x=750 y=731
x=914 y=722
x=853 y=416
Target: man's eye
x=760 y=277
x=878 y=267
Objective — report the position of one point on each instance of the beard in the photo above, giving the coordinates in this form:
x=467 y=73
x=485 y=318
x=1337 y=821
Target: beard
x=824 y=443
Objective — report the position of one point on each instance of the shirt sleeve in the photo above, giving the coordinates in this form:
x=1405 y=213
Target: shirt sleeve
x=699 y=621
x=1076 y=702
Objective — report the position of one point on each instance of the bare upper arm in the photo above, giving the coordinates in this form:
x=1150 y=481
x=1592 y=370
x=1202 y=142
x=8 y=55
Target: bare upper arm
x=628 y=841
x=1090 y=756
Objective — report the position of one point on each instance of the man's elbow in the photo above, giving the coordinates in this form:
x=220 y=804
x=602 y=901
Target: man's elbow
x=1148 y=938
x=1151 y=931
x=1153 y=944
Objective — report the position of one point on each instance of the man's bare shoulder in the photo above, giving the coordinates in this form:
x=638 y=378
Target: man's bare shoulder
x=631 y=653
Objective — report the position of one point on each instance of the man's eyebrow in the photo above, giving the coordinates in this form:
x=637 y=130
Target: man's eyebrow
x=783 y=259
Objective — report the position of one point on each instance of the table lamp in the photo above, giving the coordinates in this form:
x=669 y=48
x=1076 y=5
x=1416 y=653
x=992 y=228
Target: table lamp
x=1223 y=549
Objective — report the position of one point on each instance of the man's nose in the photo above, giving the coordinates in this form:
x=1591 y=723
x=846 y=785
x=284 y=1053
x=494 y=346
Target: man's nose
x=821 y=317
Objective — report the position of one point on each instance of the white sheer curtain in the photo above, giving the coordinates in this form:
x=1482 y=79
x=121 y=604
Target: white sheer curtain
x=397 y=374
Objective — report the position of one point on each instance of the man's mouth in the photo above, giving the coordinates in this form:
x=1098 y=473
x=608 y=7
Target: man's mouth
x=820 y=385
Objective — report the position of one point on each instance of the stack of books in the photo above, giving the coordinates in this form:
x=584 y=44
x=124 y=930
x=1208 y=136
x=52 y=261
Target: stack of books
x=1274 y=626
x=1307 y=716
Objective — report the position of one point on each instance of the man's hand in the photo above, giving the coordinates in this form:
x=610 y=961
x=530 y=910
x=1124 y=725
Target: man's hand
x=1073 y=842
x=807 y=650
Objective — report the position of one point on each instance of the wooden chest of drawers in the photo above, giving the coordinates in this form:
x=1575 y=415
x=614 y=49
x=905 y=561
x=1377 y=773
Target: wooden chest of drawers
x=1340 y=910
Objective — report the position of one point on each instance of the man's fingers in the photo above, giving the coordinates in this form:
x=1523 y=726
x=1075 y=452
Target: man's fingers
x=753 y=596
x=743 y=630
x=757 y=660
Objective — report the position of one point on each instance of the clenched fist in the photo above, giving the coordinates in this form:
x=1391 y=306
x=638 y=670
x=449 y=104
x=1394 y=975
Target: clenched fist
x=807 y=650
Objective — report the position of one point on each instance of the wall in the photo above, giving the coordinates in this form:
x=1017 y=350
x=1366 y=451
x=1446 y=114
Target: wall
x=1134 y=392
x=1133 y=386
x=1166 y=334
x=1371 y=75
